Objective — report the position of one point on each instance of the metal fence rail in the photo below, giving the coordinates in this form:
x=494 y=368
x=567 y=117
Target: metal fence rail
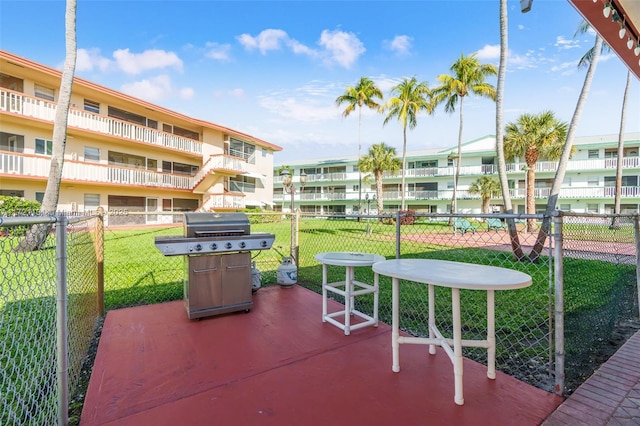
x=553 y=334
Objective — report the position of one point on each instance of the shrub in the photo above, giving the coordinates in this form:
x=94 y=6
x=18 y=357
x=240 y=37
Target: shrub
x=17 y=206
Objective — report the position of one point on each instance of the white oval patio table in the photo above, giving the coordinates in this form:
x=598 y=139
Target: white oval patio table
x=349 y=288
x=455 y=275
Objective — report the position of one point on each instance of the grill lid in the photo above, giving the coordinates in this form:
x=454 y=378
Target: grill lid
x=216 y=224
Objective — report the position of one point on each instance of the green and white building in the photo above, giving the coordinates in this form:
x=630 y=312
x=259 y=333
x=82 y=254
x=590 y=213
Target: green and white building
x=332 y=184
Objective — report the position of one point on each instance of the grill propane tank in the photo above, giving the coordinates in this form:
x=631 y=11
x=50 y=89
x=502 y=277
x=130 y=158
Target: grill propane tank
x=256 y=277
x=287 y=274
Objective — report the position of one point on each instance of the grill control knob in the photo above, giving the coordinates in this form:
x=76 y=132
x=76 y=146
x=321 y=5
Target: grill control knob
x=243 y=244
x=198 y=247
x=228 y=246
x=213 y=246
x=263 y=243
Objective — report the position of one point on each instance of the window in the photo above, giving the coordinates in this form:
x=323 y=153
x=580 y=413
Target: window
x=243 y=150
x=355 y=187
x=565 y=207
x=91 y=154
x=264 y=152
x=43 y=92
x=592 y=208
x=450 y=185
x=12 y=192
x=44 y=146
x=167 y=204
x=593 y=181
x=610 y=153
x=566 y=181
x=39 y=197
x=91 y=201
x=593 y=153
x=91 y=106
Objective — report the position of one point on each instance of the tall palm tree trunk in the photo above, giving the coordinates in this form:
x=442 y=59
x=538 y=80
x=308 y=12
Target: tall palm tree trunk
x=618 y=189
x=38 y=233
x=359 y=172
x=404 y=162
x=566 y=152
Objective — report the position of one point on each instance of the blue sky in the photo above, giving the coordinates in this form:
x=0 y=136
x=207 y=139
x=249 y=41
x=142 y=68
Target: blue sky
x=273 y=69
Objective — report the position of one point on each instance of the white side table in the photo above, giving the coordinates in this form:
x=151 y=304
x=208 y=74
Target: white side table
x=456 y=276
x=349 y=288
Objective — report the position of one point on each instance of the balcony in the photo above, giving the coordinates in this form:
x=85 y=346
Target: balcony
x=216 y=167
x=26 y=106
x=29 y=166
x=447 y=194
x=224 y=201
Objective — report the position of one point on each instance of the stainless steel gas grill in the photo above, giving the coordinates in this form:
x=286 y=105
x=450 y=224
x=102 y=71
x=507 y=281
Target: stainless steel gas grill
x=217 y=249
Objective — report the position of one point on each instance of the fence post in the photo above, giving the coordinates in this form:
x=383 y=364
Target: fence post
x=398 y=234
x=62 y=332
x=636 y=227
x=295 y=249
x=559 y=304
x=100 y=259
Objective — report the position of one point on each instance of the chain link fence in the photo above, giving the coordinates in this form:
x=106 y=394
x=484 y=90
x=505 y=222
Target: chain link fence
x=48 y=309
x=598 y=284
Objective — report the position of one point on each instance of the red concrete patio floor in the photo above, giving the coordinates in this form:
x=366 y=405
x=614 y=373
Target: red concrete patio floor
x=280 y=365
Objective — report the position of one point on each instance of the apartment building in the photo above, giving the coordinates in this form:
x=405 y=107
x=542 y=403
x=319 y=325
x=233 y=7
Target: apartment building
x=123 y=154
x=332 y=184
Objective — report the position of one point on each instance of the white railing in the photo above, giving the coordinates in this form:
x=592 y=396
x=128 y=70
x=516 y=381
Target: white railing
x=519 y=193
x=223 y=201
x=219 y=162
x=27 y=106
x=35 y=166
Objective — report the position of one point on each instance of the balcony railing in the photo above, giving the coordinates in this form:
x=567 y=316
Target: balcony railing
x=447 y=194
x=18 y=103
x=37 y=166
x=227 y=200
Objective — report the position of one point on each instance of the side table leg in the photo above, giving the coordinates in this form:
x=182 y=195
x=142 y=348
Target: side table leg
x=491 y=335
x=376 y=286
x=348 y=301
x=395 y=326
x=324 y=292
x=432 y=318
x=457 y=346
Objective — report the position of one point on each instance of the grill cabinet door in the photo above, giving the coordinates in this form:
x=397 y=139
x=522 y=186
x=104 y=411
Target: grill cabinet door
x=236 y=278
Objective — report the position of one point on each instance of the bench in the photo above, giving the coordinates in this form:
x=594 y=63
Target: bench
x=463 y=225
x=495 y=224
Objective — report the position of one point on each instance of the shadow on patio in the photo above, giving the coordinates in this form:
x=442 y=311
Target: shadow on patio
x=279 y=364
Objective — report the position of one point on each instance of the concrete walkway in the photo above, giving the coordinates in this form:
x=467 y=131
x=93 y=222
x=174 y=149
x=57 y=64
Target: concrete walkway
x=611 y=396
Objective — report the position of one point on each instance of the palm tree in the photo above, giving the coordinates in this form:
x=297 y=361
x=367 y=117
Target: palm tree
x=468 y=77
x=533 y=137
x=586 y=59
x=487 y=187
x=381 y=158
x=364 y=93
x=566 y=152
x=409 y=97
x=38 y=233
x=502 y=165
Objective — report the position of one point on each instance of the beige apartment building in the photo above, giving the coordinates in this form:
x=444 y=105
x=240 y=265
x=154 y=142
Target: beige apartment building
x=123 y=154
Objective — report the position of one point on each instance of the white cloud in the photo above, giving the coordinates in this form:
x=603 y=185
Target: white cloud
x=90 y=59
x=186 y=93
x=565 y=44
x=336 y=47
x=341 y=47
x=151 y=89
x=488 y=52
x=401 y=45
x=267 y=40
x=219 y=52
x=135 y=63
